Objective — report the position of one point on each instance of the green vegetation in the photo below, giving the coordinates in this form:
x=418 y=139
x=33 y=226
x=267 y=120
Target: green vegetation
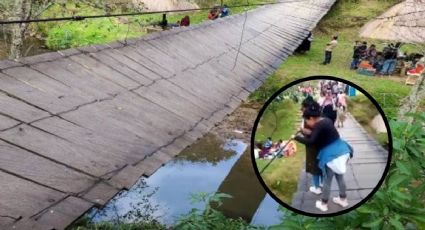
x=280 y=123
x=210 y=218
x=62 y=35
x=299 y=66
x=388 y=91
x=206 y=219
x=364 y=111
x=85 y=224
x=399 y=203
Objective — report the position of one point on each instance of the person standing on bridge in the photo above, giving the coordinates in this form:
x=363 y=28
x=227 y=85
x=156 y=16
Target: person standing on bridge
x=328 y=50
x=333 y=154
x=311 y=163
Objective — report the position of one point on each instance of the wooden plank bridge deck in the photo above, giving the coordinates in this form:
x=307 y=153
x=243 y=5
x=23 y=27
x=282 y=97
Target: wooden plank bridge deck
x=364 y=171
x=79 y=125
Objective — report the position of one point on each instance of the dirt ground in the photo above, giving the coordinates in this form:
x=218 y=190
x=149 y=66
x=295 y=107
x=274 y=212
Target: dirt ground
x=239 y=124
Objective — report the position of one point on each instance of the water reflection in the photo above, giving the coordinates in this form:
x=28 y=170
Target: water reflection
x=267 y=213
x=209 y=149
x=177 y=180
x=208 y=166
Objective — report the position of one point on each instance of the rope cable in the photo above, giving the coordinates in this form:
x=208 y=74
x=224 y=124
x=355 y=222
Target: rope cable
x=83 y=17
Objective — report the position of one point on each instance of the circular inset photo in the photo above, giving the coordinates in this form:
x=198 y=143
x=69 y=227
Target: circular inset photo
x=321 y=146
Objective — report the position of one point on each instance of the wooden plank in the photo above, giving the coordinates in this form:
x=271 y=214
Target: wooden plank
x=127 y=177
x=103 y=71
x=100 y=194
x=133 y=117
x=160 y=94
x=120 y=67
x=136 y=66
x=96 y=140
x=61 y=150
x=84 y=86
x=21 y=162
x=206 y=41
x=34 y=96
x=131 y=52
x=52 y=87
x=63 y=213
x=172 y=63
x=4 y=64
x=20 y=110
x=90 y=78
x=7 y=122
x=182 y=56
x=22 y=198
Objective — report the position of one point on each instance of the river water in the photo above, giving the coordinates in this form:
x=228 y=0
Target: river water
x=207 y=166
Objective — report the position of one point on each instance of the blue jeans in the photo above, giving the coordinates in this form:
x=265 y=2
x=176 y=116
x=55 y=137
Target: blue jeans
x=389 y=66
x=355 y=63
x=316 y=180
x=328 y=57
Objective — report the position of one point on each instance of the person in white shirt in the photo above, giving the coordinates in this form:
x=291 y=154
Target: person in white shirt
x=328 y=50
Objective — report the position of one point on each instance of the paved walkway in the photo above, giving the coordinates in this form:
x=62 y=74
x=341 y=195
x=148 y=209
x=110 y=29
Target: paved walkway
x=364 y=171
x=79 y=125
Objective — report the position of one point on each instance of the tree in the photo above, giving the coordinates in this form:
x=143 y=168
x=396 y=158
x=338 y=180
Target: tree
x=24 y=10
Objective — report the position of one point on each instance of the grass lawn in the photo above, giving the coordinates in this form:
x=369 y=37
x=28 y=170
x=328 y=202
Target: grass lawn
x=345 y=21
x=278 y=124
x=66 y=34
x=282 y=175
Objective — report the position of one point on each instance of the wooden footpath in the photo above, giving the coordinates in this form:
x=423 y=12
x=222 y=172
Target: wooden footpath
x=79 y=125
x=364 y=171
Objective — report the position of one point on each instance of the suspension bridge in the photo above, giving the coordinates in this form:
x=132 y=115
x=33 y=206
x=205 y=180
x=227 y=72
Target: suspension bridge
x=79 y=125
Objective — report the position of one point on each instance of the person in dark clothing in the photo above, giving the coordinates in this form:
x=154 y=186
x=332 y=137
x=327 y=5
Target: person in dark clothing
x=356 y=55
x=363 y=50
x=224 y=12
x=311 y=164
x=185 y=21
x=371 y=54
x=390 y=56
x=325 y=137
x=305 y=45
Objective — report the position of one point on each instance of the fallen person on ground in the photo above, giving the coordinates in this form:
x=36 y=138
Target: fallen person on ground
x=224 y=12
x=185 y=21
x=214 y=13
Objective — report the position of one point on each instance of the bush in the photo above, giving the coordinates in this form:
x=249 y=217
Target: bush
x=210 y=218
x=399 y=203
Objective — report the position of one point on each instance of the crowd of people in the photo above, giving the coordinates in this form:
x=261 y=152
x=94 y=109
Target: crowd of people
x=331 y=96
x=214 y=13
x=327 y=154
x=218 y=12
x=268 y=149
x=385 y=61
